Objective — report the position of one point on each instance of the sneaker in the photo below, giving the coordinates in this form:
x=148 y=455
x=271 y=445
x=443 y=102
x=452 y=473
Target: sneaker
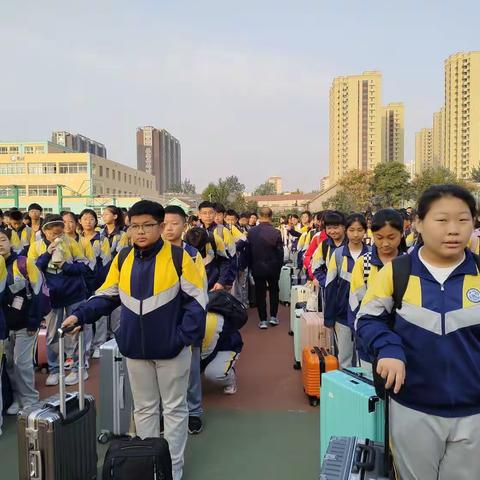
x=96 y=353
x=263 y=324
x=231 y=389
x=13 y=409
x=274 y=321
x=68 y=363
x=162 y=426
x=52 y=380
x=177 y=474
x=72 y=378
x=195 y=425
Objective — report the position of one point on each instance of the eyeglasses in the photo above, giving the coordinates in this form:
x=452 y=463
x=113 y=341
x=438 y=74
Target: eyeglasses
x=146 y=227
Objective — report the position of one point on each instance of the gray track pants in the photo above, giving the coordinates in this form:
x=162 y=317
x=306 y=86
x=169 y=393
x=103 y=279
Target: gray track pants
x=343 y=335
x=426 y=447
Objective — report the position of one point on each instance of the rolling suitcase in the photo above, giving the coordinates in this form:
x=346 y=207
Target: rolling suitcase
x=313 y=331
x=349 y=406
x=57 y=436
x=297 y=352
x=316 y=361
x=40 y=357
x=285 y=284
x=298 y=294
x=116 y=402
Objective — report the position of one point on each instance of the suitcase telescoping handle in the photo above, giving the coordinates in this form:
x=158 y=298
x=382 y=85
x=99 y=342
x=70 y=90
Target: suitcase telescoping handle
x=81 y=368
x=366 y=462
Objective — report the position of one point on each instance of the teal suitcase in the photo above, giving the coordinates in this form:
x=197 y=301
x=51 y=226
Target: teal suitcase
x=349 y=407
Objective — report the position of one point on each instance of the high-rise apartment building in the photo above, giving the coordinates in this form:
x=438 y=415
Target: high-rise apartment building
x=277 y=182
x=423 y=150
x=462 y=113
x=159 y=154
x=393 y=133
x=438 y=137
x=79 y=143
x=355 y=124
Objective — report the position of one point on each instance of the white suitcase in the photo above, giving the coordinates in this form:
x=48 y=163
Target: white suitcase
x=298 y=294
x=285 y=284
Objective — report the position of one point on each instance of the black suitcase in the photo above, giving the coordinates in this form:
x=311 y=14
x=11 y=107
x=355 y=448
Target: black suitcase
x=57 y=436
x=132 y=458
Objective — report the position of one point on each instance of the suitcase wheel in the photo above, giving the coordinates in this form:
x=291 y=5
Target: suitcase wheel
x=314 y=401
x=290 y=333
x=104 y=438
x=297 y=366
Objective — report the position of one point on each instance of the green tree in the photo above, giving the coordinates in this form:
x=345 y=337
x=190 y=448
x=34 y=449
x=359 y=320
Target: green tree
x=356 y=184
x=186 y=187
x=475 y=175
x=390 y=184
x=341 y=201
x=434 y=176
x=266 y=188
x=229 y=192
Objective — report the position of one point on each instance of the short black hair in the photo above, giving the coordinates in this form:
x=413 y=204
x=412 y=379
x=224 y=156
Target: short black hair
x=294 y=215
x=218 y=207
x=232 y=213
x=356 y=217
x=7 y=232
x=52 y=220
x=35 y=206
x=254 y=213
x=334 y=218
x=244 y=215
x=147 y=207
x=119 y=221
x=16 y=215
x=436 y=192
x=205 y=204
x=197 y=237
x=192 y=218
x=1 y=213
x=176 y=210
x=89 y=211
x=72 y=214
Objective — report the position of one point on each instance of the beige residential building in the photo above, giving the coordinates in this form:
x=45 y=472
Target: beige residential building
x=462 y=113
x=438 y=137
x=277 y=183
x=355 y=124
x=393 y=132
x=51 y=175
x=423 y=150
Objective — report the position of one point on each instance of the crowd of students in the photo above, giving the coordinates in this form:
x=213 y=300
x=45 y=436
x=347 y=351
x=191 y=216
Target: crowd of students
x=422 y=337
x=145 y=276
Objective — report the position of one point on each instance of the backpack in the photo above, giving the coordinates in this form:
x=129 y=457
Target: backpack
x=45 y=306
x=177 y=257
x=225 y=304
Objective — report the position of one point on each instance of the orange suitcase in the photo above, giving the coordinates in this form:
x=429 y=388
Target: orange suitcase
x=313 y=332
x=316 y=361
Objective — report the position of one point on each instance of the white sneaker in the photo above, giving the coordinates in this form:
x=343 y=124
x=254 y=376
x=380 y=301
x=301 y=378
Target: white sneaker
x=68 y=363
x=231 y=389
x=263 y=324
x=177 y=474
x=96 y=353
x=13 y=409
x=274 y=321
x=72 y=378
x=52 y=380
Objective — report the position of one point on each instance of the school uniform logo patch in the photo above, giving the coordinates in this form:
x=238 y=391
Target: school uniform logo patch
x=473 y=295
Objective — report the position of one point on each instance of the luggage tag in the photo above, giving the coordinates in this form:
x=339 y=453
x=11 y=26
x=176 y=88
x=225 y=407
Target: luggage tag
x=17 y=302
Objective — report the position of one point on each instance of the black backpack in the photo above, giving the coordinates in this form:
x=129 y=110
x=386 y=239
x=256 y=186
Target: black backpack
x=225 y=304
x=130 y=458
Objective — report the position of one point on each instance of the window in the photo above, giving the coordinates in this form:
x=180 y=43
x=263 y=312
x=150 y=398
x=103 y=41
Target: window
x=28 y=150
x=130 y=179
x=42 y=190
x=13 y=150
x=42 y=168
x=8 y=191
x=100 y=170
x=39 y=149
x=119 y=176
x=12 y=168
x=124 y=178
x=73 y=167
x=107 y=173
x=3 y=150
x=108 y=190
x=113 y=174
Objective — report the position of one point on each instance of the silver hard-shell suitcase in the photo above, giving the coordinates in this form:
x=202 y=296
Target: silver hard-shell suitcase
x=57 y=436
x=116 y=403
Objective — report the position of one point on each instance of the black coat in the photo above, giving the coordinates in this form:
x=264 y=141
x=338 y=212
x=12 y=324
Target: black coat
x=265 y=250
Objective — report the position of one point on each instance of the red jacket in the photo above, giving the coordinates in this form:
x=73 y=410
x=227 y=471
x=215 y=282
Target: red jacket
x=316 y=240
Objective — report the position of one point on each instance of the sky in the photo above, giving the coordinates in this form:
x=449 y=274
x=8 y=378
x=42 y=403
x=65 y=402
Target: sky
x=243 y=85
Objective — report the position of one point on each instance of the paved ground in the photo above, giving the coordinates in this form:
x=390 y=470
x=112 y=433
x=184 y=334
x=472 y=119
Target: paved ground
x=266 y=431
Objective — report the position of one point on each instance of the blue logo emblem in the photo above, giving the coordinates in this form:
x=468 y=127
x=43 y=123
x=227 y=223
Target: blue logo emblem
x=473 y=295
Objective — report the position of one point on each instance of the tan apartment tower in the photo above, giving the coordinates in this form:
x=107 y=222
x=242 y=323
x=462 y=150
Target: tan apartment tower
x=423 y=150
x=277 y=183
x=439 y=137
x=462 y=113
x=393 y=133
x=355 y=124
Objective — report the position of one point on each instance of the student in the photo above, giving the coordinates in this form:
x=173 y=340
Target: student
x=113 y=229
x=319 y=236
x=253 y=219
x=64 y=267
x=335 y=228
x=27 y=220
x=175 y=223
x=221 y=274
x=243 y=221
x=337 y=286
x=96 y=249
x=305 y=221
x=22 y=311
x=162 y=315
x=21 y=234
x=388 y=243
x=71 y=226
x=429 y=349
x=2 y=225
x=35 y=214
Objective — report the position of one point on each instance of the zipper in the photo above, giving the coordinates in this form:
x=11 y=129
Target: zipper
x=442 y=289
x=142 y=334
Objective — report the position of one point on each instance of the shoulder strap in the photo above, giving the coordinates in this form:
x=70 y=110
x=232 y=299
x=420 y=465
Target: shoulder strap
x=123 y=254
x=324 y=250
x=177 y=257
x=367 y=265
x=402 y=267
x=339 y=259
x=477 y=260
x=22 y=265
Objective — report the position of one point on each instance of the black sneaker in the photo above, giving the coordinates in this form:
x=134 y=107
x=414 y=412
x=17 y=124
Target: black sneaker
x=195 y=425
x=162 y=426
